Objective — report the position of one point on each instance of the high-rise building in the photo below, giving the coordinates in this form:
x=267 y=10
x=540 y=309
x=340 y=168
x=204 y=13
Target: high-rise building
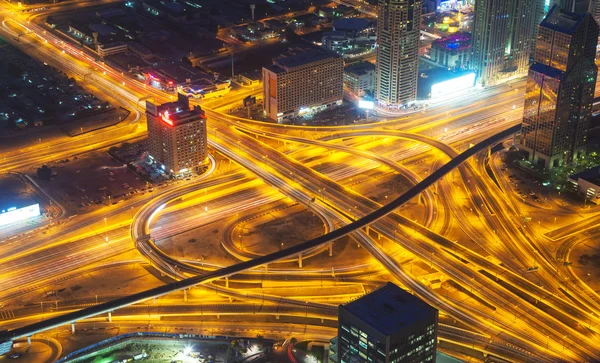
x=301 y=82
x=575 y=6
x=504 y=33
x=398 y=35
x=560 y=89
x=359 y=78
x=388 y=325
x=177 y=135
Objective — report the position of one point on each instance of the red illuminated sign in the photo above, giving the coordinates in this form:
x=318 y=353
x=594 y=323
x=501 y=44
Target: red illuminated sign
x=166 y=119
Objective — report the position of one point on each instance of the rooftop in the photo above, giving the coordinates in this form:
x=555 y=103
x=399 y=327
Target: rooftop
x=562 y=21
x=299 y=57
x=102 y=29
x=178 y=112
x=457 y=41
x=351 y=24
x=389 y=309
x=546 y=70
x=591 y=175
x=360 y=69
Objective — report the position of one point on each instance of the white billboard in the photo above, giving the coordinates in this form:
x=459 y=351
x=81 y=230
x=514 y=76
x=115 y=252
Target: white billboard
x=367 y=105
x=453 y=86
x=12 y=215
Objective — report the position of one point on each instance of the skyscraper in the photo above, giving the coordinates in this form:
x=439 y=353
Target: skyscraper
x=177 y=135
x=388 y=325
x=575 y=6
x=504 y=33
x=560 y=89
x=398 y=34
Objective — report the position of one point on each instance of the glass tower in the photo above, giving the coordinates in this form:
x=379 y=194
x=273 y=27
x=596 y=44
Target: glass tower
x=398 y=35
x=560 y=89
x=388 y=325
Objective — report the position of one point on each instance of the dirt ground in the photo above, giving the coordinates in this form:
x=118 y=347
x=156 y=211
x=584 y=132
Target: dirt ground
x=282 y=228
x=16 y=192
x=203 y=244
x=588 y=271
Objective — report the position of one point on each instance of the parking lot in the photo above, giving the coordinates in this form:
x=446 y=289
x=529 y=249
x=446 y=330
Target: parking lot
x=81 y=183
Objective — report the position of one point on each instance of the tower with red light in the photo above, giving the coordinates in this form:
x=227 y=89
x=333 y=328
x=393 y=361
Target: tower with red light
x=177 y=139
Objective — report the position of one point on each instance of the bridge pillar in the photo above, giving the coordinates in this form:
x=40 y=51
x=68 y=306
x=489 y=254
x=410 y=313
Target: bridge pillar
x=218 y=316
x=277 y=317
x=300 y=260
x=489 y=151
x=367 y=230
x=72 y=328
x=109 y=317
x=185 y=295
x=322 y=320
x=266 y=268
x=29 y=341
x=227 y=282
x=331 y=249
x=154 y=301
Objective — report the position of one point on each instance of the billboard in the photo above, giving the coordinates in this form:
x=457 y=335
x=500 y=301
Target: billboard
x=453 y=86
x=12 y=215
x=367 y=105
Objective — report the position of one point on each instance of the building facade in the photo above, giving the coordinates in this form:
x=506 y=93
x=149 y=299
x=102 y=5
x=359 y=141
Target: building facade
x=560 y=89
x=504 y=33
x=302 y=82
x=177 y=136
x=453 y=51
x=576 y=6
x=398 y=23
x=385 y=326
x=360 y=78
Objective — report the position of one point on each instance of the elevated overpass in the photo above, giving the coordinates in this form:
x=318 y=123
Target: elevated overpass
x=73 y=317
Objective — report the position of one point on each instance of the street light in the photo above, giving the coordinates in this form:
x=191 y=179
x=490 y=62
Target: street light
x=105 y=231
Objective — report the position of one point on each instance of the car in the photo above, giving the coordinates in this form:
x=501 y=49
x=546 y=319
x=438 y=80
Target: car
x=14 y=356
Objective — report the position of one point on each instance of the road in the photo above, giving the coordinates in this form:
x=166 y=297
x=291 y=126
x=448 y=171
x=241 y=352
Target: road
x=548 y=319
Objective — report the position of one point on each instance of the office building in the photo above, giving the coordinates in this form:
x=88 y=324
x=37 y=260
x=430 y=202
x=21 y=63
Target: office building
x=177 y=136
x=588 y=184
x=560 y=89
x=575 y=6
x=504 y=34
x=452 y=52
x=398 y=34
x=388 y=325
x=359 y=78
x=302 y=82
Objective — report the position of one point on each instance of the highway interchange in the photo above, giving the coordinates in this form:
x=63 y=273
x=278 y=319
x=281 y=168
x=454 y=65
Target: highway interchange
x=511 y=315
